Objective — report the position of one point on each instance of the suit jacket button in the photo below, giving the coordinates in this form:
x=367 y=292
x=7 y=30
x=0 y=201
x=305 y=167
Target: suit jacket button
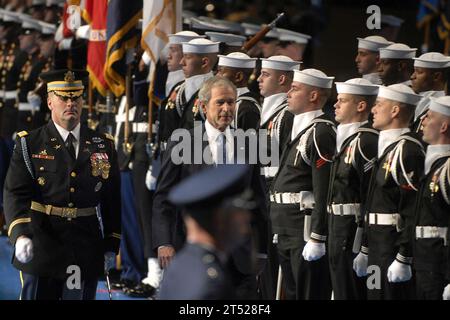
x=71 y=204
x=73 y=174
x=72 y=190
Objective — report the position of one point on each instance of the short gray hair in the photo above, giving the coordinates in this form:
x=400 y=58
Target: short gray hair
x=205 y=91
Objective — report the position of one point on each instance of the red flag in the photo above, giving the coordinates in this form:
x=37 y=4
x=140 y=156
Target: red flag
x=95 y=13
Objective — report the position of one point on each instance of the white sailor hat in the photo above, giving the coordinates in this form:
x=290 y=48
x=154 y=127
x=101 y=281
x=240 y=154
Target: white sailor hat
x=391 y=20
x=441 y=105
x=399 y=92
x=313 y=77
x=228 y=38
x=397 y=51
x=47 y=28
x=250 y=29
x=28 y=23
x=357 y=86
x=200 y=45
x=183 y=36
x=289 y=35
x=373 y=43
x=38 y=3
x=432 y=60
x=282 y=63
x=198 y=24
x=9 y=16
x=237 y=60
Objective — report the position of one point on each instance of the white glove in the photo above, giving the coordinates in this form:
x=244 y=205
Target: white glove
x=446 y=294
x=313 y=250
x=154 y=274
x=83 y=32
x=360 y=264
x=110 y=260
x=24 y=249
x=150 y=180
x=399 y=272
x=65 y=44
x=34 y=99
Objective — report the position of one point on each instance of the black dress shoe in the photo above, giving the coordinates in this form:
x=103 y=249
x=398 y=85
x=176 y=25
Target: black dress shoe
x=122 y=283
x=141 y=290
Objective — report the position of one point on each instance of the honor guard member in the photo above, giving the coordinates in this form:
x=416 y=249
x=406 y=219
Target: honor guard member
x=390 y=199
x=292 y=44
x=238 y=67
x=228 y=42
x=201 y=26
x=217 y=220
x=199 y=59
x=274 y=82
x=171 y=108
x=298 y=207
x=431 y=247
x=61 y=177
x=396 y=64
x=356 y=152
x=30 y=116
x=390 y=26
x=269 y=43
x=37 y=9
x=218 y=96
x=428 y=80
x=368 y=57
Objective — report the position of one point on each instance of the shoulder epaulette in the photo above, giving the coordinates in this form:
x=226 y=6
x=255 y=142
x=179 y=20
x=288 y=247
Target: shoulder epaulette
x=109 y=136
x=22 y=134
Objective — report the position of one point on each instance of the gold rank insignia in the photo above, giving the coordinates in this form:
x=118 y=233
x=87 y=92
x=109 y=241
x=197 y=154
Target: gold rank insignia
x=195 y=108
x=57 y=146
x=171 y=102
x=41 y=181
x=434 y=185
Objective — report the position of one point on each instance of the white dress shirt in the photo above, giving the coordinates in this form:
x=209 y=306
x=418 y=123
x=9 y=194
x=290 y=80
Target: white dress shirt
x=215 y=145
x=65 y=133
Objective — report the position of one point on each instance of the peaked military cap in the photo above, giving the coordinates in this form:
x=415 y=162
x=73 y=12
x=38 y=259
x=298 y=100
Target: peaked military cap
x=65 y=82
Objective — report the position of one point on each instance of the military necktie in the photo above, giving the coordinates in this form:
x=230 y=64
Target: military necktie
x=69 y=145
x=222 y=146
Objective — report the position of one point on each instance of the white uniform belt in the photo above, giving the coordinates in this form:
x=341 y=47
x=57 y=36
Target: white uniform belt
x=8 y=95
x=269 y=172
x=384 y=219
x=122 y=117
x=346 y=209
x=142 y=127
x=304 y=198
x=25 y=106
x=424 y=232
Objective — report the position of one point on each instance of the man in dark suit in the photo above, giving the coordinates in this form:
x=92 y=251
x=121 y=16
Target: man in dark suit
x=61 y=176
x=216 y=218
x=212 y=143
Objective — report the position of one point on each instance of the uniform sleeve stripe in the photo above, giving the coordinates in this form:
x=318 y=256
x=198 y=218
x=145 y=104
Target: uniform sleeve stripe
x=319 y=237
x=16 y=222
x=116 y=235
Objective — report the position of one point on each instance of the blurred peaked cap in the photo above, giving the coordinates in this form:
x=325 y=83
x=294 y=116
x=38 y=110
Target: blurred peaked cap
x=200 y=45
x=234 y=27
x=47 y=28
x=441 y=105
x=358 y=86
x=9 y=16
x=237 y=60
x=399 y=92
x=59 y=3
x=432 y=60
x=397 y=51
x=313 y=77
x=204 y=25
x=250 y=29
x=28 y=23
x=228 y=38
x=208 y=188
x=289 y=35
x=280 y=62
x=38 y=3
x=183 y=36
x=391 y=20
x=373 y=43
